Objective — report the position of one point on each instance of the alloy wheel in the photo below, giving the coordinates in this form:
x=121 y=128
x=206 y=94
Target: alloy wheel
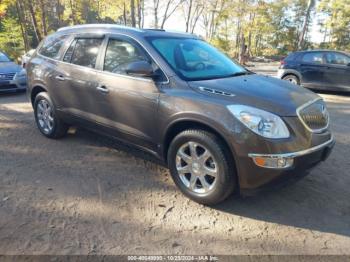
x=45 y=116
x=196 y=167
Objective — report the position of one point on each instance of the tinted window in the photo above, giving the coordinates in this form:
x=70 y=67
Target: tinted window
x=313 y=58
x=4 y=58
x=52 y=46
x=86 y=51
x=194 y=59
x=119 y=54
x=337 y=58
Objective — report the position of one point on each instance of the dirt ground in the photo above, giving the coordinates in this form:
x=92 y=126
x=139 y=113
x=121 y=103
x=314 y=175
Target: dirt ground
x=89 y=195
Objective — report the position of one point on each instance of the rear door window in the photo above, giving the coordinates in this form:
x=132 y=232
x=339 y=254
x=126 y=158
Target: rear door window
x=314 y=57
x=52 y=45
x=83 y=52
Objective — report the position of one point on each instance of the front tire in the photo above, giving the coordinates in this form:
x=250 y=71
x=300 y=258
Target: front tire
x=199 y=165
x=46 y=118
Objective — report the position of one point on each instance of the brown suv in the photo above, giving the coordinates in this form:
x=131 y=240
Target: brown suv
x=219 y=127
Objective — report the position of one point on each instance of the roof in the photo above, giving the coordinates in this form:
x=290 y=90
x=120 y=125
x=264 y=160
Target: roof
x=110 y=28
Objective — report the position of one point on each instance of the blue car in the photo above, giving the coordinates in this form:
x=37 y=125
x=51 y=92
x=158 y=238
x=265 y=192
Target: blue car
x=12 y=77
x=318 y=69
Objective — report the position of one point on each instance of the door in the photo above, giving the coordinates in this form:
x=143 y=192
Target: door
x=312 y=69
x=128 y=104
x=78 y=73
x=338 y=70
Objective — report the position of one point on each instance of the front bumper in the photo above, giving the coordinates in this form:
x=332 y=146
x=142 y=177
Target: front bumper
x=254 y=178
x=17 y=84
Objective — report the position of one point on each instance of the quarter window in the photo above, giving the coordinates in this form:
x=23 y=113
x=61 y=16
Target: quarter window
x=85 y=52
x=316 y=58
x=119 y=54
x=337 y=59
x=52 y=45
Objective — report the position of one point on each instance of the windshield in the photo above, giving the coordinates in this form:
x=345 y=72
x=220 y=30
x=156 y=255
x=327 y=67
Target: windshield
x=4 y=58
x=194 y=59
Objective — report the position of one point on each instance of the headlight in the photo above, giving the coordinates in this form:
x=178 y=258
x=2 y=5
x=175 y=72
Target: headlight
x=260 y=122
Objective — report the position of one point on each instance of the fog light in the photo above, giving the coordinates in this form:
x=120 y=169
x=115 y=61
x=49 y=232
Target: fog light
x=273 y=162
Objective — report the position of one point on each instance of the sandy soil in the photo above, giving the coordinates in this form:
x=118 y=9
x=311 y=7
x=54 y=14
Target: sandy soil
x=89 y=195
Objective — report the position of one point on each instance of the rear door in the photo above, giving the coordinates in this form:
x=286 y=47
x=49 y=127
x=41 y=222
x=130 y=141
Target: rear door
x=77 y=71
x=338 y=70
x=312 y=69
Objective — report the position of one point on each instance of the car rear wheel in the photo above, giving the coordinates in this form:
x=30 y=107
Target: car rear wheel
x=200 y=167
x=292 y=78
x=49 y=124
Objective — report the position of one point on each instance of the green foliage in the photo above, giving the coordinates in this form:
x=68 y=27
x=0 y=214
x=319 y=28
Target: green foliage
x=10 y=37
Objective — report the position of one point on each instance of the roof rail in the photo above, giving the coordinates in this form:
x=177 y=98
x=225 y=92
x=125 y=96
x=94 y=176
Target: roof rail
x=108 y=26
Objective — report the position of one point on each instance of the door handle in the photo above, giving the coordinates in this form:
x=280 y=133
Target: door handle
x=102 y=89
x=60 y=78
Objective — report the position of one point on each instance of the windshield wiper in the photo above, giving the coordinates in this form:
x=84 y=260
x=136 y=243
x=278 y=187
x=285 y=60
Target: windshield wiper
x=240 y=74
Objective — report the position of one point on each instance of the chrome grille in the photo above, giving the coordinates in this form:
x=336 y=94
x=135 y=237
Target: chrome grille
x=314 y=116
x=7 y=76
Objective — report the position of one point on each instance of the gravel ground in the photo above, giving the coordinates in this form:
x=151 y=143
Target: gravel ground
x=89 y=195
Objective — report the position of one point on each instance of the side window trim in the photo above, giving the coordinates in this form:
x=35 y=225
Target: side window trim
x=130 y=40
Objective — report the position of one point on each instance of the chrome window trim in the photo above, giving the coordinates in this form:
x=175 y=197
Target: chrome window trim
x=60 y=60
x=295 y=154
x=303 y=122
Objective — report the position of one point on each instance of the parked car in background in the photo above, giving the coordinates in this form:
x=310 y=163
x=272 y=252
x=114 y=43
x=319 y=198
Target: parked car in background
x=12 y=76
x=25 y=58
x=318 y=69
x=219 y=127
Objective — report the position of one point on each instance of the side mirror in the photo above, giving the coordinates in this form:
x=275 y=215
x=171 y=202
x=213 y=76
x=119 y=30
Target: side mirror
x=140 y=68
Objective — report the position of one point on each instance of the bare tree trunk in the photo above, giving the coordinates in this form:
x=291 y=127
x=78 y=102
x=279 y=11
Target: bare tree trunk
x=23 y=25
x=305 y=24
x=189 y=14
x=168 y=12
x=132 y=13
x=58 y=10
x=34 y=21
x=43 y=17
x=155 y=12
x=124 y=13
x=72 y=8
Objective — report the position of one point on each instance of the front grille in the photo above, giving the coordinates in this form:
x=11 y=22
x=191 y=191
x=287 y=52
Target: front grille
x=7 y=76
x=314 y=116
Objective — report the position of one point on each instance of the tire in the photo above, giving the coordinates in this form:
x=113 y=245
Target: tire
x=57 y=128
x=220 y=186
x=292 y=78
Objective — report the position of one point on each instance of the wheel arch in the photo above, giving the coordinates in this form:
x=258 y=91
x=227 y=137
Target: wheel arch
x=180 y=125
x=292 y=72
x=35 y=91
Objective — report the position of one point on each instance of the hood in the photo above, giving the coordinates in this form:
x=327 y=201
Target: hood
x=267 y=93
x=9 y=67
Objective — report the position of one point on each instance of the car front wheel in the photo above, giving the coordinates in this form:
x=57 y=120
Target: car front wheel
x=46 y=118
x=200 y=167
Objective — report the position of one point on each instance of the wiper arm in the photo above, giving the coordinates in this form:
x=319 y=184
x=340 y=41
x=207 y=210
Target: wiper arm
x=240 y=73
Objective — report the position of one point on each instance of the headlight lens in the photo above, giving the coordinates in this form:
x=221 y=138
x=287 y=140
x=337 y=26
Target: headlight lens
x=260 y=122
x=21 y=73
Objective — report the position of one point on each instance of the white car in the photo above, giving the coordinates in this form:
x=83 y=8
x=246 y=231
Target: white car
x=25 y=58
